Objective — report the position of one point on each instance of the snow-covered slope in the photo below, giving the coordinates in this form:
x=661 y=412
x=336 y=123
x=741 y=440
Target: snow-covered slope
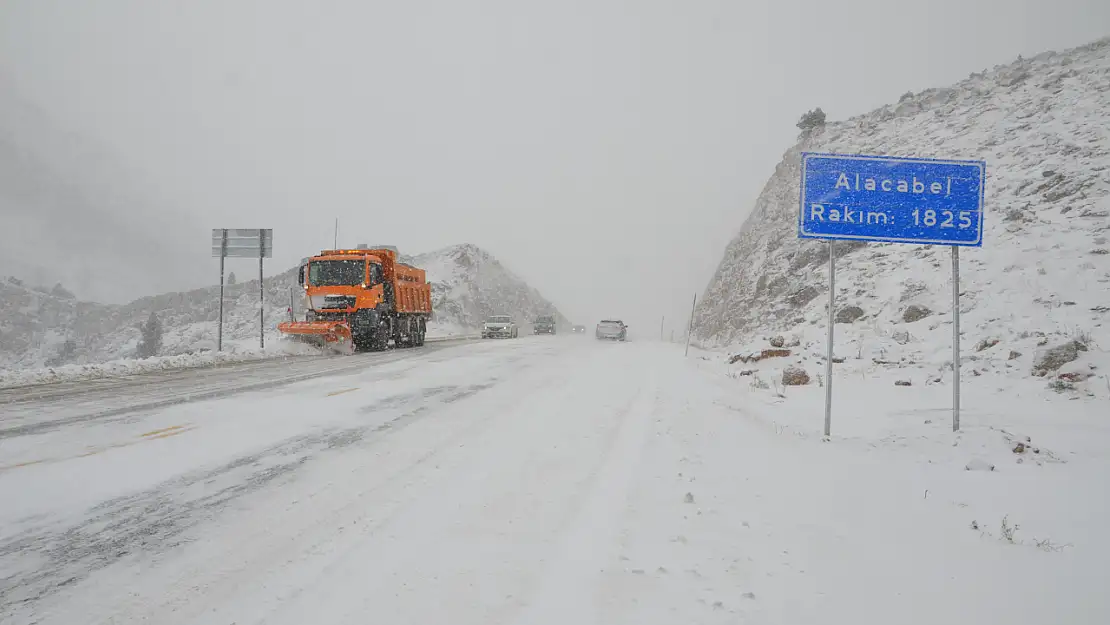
x=1042 y=277
x=35 y=323
x=468 y=285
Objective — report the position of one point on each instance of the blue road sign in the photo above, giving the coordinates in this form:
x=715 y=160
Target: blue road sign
x=893 y=199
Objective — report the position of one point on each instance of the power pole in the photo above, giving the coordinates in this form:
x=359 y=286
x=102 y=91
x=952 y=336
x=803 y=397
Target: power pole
x=690 y=328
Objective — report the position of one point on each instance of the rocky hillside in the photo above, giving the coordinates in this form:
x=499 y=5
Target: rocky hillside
x=1042 y=277
x=468 y=285
x=49 y=326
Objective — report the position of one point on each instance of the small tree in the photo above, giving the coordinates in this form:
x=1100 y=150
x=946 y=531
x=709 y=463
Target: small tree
x=151 y=342
x=812 y=119
x=64 y=355
x=231 y=278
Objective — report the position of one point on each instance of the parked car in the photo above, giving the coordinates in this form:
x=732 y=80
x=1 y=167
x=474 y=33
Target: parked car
x=544 y=324
x=579 y=329
x=611 y=330
x=499 y=326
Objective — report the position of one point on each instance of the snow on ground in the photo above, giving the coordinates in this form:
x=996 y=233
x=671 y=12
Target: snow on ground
x=240 y=350
x=445 y=330
x=10 y=378
x=561 y=480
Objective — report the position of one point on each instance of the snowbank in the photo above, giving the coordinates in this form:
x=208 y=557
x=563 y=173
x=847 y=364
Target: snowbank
x=131 y=366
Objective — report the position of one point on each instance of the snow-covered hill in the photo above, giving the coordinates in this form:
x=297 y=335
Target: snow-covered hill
x=468 y=285
x=1041 y=279
x=36 y=323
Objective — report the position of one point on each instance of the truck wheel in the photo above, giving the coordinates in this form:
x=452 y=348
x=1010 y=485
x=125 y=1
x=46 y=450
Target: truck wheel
x=378 y=340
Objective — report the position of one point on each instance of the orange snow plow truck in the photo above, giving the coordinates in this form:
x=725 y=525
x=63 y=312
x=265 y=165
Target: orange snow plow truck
x=361 y=299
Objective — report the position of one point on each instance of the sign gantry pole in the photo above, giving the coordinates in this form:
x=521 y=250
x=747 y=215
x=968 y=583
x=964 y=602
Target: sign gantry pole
x=243 y=243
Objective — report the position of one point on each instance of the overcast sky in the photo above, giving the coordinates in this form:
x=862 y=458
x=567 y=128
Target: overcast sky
x=604 y=150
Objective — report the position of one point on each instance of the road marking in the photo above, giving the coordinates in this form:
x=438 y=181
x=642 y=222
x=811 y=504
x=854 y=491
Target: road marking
x=154 y=432
x=22 y=464
x=149 y=436
x=167 y=434
x=346 y=390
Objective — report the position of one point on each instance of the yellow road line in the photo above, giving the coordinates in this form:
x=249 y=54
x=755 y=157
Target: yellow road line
x=346 y=390
x=168 y=434
x=22 y=464
x=153 y=432
x=149 y=436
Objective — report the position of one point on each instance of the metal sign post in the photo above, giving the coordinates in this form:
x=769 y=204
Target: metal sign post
x=829 y=347
x=955 y=338
x=896 y=200
x=223 y=254
x=690 y=327
x=261 y=291
x=661 y=322
x=242 y=243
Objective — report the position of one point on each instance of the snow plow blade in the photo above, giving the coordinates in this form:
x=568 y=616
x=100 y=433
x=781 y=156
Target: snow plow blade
x=330 y=334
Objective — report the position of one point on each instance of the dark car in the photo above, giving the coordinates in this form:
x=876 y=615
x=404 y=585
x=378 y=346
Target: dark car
x=544 y=324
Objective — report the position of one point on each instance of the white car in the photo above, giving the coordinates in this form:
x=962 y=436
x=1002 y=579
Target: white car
x=499 y=326
x=611 y=330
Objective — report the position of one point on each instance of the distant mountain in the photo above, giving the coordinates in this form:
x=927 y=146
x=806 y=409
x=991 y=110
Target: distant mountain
x=1042 y=276
x=46 y=326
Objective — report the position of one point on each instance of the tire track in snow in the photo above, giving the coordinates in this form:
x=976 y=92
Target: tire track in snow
x=475 y=429
x=275 y=545
x=40 y=562
x=589 y=543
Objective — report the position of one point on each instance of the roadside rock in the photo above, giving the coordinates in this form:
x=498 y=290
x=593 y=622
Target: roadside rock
x=901 y=337
x=986 y=344
x=1051 y=359
x=795 y=376
x=903 y=383
x=802 y=296
x=756 y=357
x=1073 y=376
x=849 y=314
x=1014 y=355
x=778 y=341
x=915 y=312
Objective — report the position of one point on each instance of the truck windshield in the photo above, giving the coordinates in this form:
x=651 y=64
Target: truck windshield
x=499 y=320
x=336 y=272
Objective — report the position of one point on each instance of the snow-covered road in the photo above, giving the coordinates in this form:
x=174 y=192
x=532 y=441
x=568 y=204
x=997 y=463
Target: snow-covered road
x=32 y=408
x=543 y=480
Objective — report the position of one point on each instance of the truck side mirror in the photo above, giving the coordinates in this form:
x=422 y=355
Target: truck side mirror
x=300 y=276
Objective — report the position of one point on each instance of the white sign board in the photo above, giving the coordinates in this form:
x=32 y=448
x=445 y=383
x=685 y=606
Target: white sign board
x=243 y=242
